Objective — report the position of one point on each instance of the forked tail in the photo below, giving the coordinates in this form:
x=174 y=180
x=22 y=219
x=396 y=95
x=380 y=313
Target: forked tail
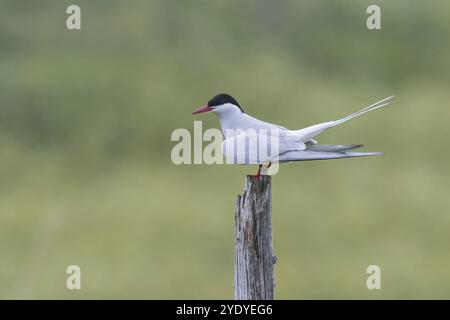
x=306 y=134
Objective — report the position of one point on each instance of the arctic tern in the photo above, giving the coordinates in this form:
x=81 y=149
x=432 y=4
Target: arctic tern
x=291 y=145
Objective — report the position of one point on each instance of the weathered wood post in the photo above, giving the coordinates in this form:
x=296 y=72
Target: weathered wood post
x=253 y=257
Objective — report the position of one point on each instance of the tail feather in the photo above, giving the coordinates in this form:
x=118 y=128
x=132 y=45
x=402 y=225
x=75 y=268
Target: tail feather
x=311 y=132
x=372 y=107
x=332 y=148
x=307 y=155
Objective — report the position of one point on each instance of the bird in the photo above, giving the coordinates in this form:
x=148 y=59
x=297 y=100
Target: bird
x=238 y=127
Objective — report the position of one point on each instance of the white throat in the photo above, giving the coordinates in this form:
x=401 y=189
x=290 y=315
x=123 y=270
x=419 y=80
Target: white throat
x=228 y=115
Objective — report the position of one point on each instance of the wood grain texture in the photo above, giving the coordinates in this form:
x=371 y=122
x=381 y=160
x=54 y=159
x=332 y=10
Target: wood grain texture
x=254 y=258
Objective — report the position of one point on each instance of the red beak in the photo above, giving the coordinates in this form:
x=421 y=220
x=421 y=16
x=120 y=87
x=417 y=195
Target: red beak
x=203 y=109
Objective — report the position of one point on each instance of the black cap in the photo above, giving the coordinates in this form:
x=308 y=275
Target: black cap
x=223 y=98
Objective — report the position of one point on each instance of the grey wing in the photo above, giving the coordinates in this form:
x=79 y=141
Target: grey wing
x=252 y=147
x=306 y=155
x=314 y=146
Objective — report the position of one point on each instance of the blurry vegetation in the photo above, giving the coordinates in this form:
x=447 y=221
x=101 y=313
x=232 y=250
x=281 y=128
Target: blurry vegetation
x=85 y=124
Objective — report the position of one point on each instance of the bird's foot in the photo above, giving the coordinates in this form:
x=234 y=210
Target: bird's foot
x=258 y=174
x=266 y=164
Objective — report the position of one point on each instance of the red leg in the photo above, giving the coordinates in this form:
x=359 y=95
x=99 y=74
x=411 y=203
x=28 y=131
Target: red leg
x=258 y=174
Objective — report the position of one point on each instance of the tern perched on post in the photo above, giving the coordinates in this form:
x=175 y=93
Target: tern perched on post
x=285 y=145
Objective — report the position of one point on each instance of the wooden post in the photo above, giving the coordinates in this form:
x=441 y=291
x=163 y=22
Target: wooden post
x=254 y=258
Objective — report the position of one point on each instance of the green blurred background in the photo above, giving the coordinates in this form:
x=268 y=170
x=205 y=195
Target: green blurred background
x=85 y=124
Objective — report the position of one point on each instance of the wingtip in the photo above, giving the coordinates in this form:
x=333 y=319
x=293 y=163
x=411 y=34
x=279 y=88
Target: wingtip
x=375 y=153
x=363 y=154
